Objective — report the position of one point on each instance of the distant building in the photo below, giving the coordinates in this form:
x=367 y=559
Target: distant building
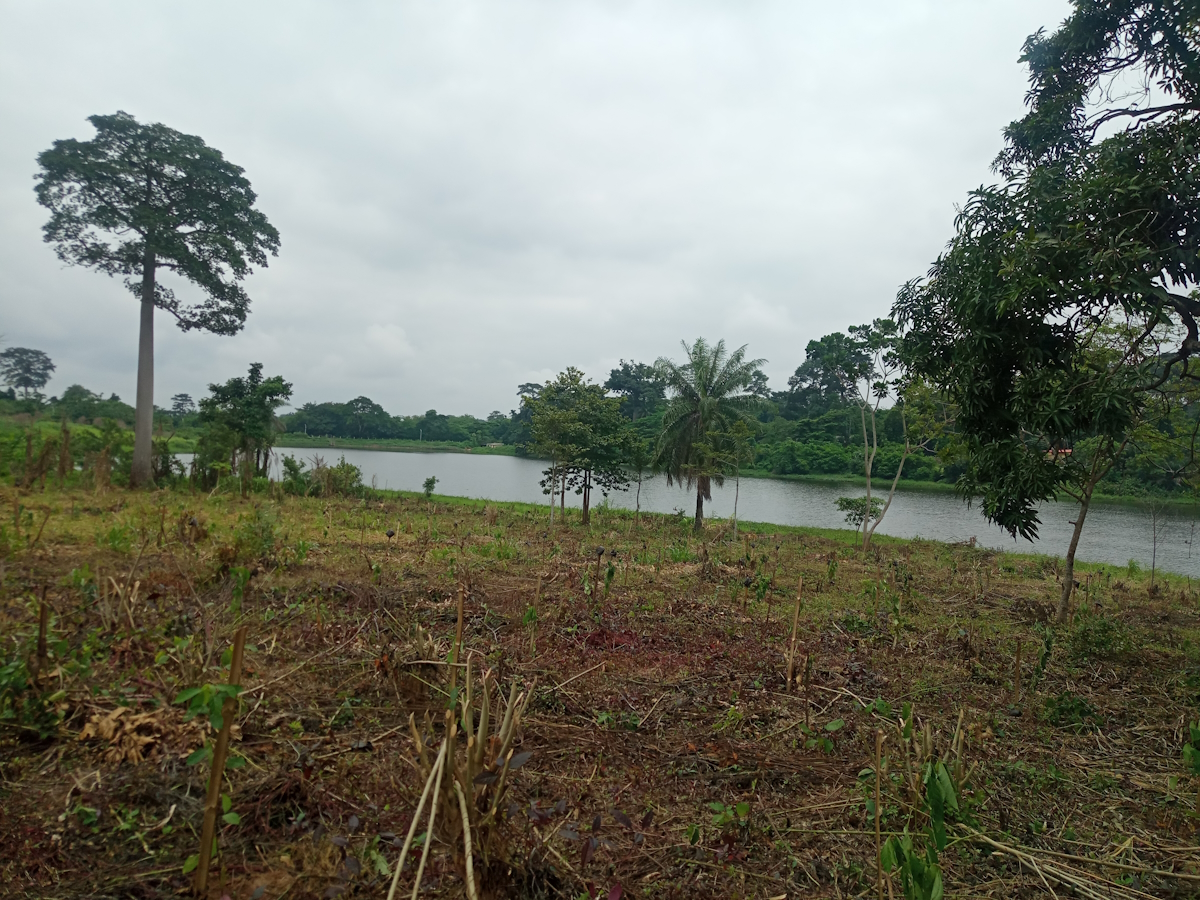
x=494 y=445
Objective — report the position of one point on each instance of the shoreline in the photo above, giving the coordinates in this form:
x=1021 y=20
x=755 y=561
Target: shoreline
x=858 y=481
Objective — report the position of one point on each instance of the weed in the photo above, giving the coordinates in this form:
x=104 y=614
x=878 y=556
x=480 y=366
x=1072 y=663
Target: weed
x=23 y=705
x=1096 y=636
x=724 y=816
x=729 y=721
x=1069 y=710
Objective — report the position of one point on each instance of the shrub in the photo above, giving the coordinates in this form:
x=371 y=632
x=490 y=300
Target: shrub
x=1069 y=710
x=1095 y=636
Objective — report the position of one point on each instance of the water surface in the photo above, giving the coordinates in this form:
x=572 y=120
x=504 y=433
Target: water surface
x=1114 y=532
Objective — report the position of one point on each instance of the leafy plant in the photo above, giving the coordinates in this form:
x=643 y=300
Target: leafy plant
x=428 y=485
x=1071 y=710
x=1097 y=636
x=724 y=816
x=207 y=700
x=920 y=875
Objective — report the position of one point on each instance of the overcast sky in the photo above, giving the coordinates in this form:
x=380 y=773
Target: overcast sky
x=472 y=195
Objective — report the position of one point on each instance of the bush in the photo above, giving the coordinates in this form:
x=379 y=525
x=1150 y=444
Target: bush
x=1069 y=710
x=812 y=458
x=1096 y=636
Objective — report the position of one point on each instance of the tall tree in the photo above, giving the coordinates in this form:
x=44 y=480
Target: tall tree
x=819 y=384
x=25 y=370
x=1062 y=305
x=139 y=198
x=708 y=393
x=182 y=405
x=640 y=386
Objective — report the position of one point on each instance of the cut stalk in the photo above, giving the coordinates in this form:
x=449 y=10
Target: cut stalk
x=434 y=775
x=791 y=669
x=228 y=711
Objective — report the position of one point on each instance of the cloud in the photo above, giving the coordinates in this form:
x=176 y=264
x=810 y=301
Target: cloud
x=476 y=194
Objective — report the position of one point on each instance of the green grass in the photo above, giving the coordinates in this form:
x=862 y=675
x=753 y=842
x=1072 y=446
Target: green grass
x=289 y=439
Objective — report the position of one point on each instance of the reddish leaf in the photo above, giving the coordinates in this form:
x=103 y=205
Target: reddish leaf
x=623 y=820
x=589 y=850
x=647 y=818
x=519 y=760
x=596 y=825
x=616 y=893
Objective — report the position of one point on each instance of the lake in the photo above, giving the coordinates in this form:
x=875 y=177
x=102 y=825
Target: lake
x=1114 y=532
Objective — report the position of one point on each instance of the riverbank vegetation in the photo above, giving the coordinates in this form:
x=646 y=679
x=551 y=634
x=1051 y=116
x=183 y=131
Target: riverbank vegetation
x=695 y=716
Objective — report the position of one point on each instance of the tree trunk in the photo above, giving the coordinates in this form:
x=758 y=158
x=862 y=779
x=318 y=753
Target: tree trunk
x=737 y=487
x=699 y=525
x=1064 y=601
x=637 y=512
x=587 y=498
x=142 y=473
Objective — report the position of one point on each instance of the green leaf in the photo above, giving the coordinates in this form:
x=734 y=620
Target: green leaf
x=835 y=725
x=235 y=762
x=743 y=809
x=226 y=803
x=717 y=807
x=231 y=818
x=204 y=754
x=947 y=785
x=190 y=863
x=185 y=696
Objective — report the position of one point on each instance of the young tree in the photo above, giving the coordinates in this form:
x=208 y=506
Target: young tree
x=872 y=374
x=1089 y=236
x=582 y=430
x=639 y=460
x=708 y=394
x=139 y=198
x=25 y=370
x=239 y=420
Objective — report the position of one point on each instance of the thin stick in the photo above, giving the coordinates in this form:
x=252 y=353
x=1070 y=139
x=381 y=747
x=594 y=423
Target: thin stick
x=1017 y=674
x=466 y=820
x=878 y=839
x=580 y=675
x=791 y=669
x=412 y=829
x=43 y=623
x=437 y=789
x=462 y=596
x=228 y=711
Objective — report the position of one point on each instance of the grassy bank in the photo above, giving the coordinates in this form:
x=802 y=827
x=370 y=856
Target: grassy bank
x=291 y=440
x=660 y=721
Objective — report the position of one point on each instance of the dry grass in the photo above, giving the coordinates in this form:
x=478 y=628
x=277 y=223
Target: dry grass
x=660 y=690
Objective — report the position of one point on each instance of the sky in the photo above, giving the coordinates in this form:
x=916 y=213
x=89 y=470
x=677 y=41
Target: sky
x=473 y=195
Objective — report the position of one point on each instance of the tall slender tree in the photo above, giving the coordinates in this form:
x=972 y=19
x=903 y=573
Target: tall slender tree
x=139 y=198
x=708 y=392
x=25 y=370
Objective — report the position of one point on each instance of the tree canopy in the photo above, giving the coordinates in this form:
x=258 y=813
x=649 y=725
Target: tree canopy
x=239 y=416
x=581 y=430
x=1064 y=303
x=25 y=370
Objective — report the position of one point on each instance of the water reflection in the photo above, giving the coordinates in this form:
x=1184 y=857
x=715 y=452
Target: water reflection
x=1114 y=533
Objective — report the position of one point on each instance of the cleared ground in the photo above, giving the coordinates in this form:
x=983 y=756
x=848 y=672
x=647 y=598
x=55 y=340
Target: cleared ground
x=669 y=755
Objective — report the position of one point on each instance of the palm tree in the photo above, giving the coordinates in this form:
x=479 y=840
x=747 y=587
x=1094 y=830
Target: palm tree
x=708 y=394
